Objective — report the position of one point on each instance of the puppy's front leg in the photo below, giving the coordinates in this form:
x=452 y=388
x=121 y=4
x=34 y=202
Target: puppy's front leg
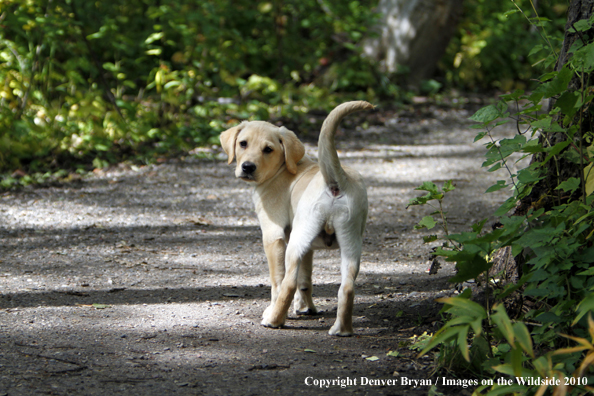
x=275 y=254
x=276 y=314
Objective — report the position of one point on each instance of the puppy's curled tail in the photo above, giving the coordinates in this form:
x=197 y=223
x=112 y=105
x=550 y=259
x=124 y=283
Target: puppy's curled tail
x=327 y=156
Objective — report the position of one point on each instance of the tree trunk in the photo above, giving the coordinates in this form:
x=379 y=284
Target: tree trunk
x=413 y=34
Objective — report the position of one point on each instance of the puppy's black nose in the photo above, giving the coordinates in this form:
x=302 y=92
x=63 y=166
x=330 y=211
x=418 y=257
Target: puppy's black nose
x=248 y=167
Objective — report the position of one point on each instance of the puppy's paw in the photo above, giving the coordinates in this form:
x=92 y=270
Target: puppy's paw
x=341 y=331
x=306 y=311
x=272 y=319
x=275 y=324
x=271 y=325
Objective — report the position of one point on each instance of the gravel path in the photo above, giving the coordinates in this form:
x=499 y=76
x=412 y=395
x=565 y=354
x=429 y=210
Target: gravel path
x=152 y=280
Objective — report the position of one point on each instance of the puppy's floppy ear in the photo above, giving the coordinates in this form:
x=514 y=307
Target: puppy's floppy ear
x=294 y=149
x=228 y=139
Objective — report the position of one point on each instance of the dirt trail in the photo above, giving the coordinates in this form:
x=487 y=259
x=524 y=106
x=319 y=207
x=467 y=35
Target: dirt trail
x=152 y=280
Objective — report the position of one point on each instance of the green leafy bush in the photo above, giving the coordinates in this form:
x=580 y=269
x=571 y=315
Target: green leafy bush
x=97 y=82
x=553 y=236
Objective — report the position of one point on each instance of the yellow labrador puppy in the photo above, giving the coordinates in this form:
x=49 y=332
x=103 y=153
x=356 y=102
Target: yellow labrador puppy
x=302 y=206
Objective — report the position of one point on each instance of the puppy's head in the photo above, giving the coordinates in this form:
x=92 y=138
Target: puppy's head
x=261 y=149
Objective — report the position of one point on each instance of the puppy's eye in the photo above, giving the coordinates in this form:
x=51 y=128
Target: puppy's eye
x=267 y=150
x=243 y=144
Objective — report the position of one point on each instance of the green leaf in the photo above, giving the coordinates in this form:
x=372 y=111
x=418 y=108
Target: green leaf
x=154 y=37
x=559 y=83
x=541 y=365
x=510 y=12
x=110 y=66
x=459 y=320
x=172 y=84
x=583 y=58
x=571 y=184
x=542 y=123
x=588 y=272
x=487 y=114
x=463 y=342
x=101 y=147
x=532 y=146
x=101 y=306
x=556 y=149
x=581 y=26
x=372 y=358
x=571 y=155
x=466 y=238
x=393 y=353
x=418 y=200
x=509 y=370
x=461 y=306
x=478 y=227
x=505 y=207
x=523 y=337
x=480 y=136
x=536 y=49
x=530 y=175
x=496 y=187
x=503 y=323
x=427 y=222
x=585 y=306
x=477 y=326
x=265 y=7
x=429 y=238
x=510 y=146
x=469 y=266
x=567 y=103
x=443 y=335
x=448 y=186
x=588 y=254
x=515 y=357
x=517 y=94
x=428 y=186
x=495 y=167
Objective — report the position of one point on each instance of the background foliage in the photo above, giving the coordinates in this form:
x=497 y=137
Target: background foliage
x=99 y=81
x=493 y=46
x=85 y=84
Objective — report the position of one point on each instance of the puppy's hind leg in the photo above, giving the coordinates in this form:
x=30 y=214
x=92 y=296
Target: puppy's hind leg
x=304 y=304
x=350 y=252
x=299 y=247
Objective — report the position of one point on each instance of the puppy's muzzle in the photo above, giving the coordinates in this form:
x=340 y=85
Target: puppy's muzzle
x=247 y=170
